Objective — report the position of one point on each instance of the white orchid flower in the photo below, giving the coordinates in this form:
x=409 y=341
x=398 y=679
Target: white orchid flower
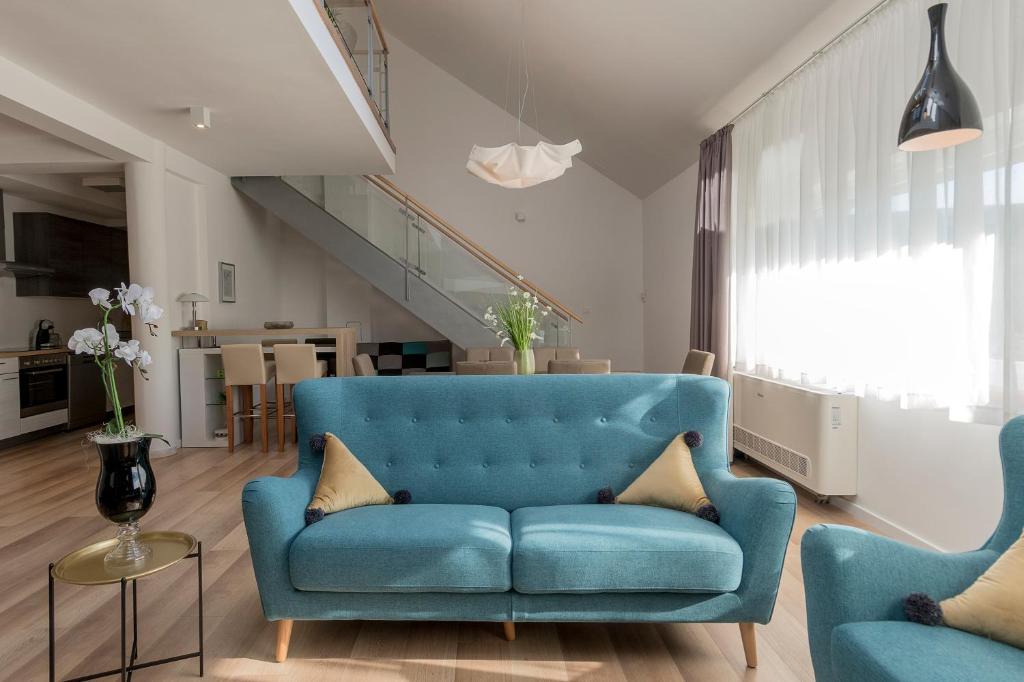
x=100 y=297
x=127 y=295
x=88 y=340
x=113 y=338
x=128 y=350
x=144 y=359
x=149 y=312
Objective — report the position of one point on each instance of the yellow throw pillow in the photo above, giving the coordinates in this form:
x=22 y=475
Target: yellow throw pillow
x=671 y=481
x=344 y=483
x=991 y=607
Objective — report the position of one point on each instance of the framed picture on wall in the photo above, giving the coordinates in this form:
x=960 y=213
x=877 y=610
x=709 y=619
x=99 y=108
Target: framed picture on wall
x=226 y=282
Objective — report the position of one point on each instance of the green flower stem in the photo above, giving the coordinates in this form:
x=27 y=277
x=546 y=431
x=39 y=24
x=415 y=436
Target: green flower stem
x=106 y=366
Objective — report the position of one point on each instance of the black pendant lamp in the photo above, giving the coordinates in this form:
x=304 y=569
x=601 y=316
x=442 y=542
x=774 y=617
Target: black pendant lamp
x=942 y=112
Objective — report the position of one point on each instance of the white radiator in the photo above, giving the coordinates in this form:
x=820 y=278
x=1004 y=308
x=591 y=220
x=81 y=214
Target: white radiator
x=807 y=435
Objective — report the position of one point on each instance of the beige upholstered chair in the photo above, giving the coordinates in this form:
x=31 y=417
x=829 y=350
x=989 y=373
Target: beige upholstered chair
x=580 y=366
x=488 y=354
x=545 y=354
x=362 y=365
x=294 y=362
x=488 y=367
x=245 y=367
x=698 y=362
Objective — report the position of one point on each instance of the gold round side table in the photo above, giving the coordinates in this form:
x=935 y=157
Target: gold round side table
x=85 y=567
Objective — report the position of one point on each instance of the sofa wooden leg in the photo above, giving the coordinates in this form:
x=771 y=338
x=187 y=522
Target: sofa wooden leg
x=510 y=630
x=749 y=643
x=284 y=635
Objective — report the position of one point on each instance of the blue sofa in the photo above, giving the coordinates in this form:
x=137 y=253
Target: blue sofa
x=855 y=584
x=504 y=474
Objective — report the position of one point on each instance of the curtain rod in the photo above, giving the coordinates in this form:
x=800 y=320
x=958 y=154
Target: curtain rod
x=814 y=55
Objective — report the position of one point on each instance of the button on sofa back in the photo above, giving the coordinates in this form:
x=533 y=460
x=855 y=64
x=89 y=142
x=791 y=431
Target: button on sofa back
x=504 y=460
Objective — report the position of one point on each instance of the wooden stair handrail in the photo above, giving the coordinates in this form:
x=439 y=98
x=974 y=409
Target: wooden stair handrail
x=462 y=240
x=377 y=25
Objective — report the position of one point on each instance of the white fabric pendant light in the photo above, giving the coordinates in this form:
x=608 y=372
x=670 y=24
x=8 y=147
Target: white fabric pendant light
x=517 y=166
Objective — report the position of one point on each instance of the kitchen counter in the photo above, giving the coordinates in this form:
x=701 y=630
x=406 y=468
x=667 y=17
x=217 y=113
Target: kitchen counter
x=26 y=352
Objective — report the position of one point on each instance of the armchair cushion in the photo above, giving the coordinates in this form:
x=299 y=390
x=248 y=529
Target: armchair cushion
x=994 y=605
x=405 y=548
x=891 y=651
x=620 y=548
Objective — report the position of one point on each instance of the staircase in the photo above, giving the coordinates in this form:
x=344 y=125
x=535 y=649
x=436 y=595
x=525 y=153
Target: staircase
x=405 y=250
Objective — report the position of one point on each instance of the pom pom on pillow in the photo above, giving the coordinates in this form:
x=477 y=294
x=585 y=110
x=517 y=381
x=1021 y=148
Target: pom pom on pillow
x=318 y=442
x=920 y=608
x=708 y=512
x=314 y=515
x=693 y=439
x=606 y=496
x=403 y=497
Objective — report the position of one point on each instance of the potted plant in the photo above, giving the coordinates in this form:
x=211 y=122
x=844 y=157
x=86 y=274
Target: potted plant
x=126 y=486
x=515 y=322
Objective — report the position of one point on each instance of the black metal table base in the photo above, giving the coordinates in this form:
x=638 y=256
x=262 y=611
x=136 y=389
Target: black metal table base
x=129 y=662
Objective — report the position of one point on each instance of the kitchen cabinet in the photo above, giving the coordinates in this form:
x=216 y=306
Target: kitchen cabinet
x=82 y=255
x=10 y=407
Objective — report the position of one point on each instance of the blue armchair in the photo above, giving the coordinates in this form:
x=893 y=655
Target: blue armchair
x=855 y=584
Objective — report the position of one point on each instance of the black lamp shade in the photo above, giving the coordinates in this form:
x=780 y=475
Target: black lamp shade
x=942 y=112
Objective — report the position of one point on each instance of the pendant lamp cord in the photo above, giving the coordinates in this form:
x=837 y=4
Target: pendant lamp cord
x=519 y=59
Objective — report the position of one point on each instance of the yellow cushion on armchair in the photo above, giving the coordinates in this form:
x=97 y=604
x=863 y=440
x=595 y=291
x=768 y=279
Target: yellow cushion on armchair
x=993 y=606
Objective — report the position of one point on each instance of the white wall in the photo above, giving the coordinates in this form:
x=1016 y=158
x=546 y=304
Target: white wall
x=582 y=239
x=20 y=314
x=668 y=215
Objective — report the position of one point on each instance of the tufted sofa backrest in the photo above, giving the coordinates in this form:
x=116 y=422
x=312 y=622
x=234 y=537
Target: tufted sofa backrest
x=514 y=441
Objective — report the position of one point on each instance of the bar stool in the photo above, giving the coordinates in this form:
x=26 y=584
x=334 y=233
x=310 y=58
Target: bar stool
x=245 y=367
x=295 y=362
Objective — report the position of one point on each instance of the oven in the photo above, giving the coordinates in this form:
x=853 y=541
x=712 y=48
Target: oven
x=43 y=380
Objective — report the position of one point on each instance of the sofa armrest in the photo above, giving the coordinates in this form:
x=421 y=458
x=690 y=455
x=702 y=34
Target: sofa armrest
x=758 y=513
x=851 y=576
x=274 y=512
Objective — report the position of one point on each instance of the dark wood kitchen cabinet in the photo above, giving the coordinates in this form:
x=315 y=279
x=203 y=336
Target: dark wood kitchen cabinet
x=82 y=255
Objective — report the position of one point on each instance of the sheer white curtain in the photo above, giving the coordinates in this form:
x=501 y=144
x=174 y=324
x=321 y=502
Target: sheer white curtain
x=863 y=268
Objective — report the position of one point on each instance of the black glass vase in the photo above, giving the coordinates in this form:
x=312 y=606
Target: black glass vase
x=125 y=491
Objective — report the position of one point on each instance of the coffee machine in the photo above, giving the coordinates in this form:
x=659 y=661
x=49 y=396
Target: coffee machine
x=46 y=336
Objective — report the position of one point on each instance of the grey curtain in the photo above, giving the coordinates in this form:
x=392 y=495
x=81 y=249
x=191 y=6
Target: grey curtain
x=709 y=293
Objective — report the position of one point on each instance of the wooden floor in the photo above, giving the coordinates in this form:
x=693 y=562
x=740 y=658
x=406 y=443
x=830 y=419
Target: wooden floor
x=47 y=509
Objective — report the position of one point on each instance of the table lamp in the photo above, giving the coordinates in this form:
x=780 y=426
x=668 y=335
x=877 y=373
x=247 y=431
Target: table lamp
x=193 y=298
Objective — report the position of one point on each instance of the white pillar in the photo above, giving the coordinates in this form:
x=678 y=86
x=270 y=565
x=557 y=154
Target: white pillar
x=156 y=400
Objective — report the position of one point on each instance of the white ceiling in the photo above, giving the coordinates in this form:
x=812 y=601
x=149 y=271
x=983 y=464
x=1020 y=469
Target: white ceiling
x=276 y=106
x=631 y=79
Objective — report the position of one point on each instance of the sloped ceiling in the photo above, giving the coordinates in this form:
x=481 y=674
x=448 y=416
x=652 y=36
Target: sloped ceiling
x=631 y=79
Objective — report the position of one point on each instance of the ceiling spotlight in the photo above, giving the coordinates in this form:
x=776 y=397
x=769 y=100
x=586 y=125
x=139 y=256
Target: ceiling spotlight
x=200 y=116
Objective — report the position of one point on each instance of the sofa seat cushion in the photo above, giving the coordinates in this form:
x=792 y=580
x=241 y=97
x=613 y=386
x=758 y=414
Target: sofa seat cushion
x=405 y=548
x=887 y=651
x=620 y=548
